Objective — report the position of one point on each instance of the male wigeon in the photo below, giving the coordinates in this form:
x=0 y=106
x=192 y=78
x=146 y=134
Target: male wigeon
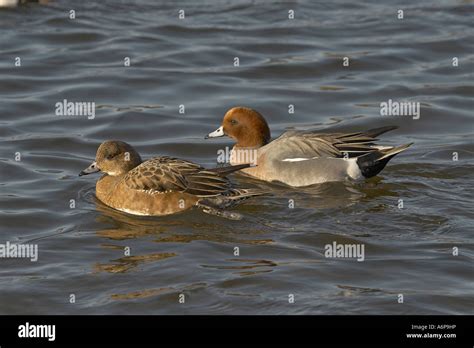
x=162 y=185
x=302 y=158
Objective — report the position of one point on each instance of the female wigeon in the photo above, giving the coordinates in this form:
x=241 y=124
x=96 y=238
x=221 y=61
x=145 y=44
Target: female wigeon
x=162 y=185
x=302 y=158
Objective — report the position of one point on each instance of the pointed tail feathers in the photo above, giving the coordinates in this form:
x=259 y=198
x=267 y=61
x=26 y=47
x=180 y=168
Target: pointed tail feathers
x=375 y=132
x=247 y=193
x=389 y=153
x=372 y=163
x=223 y=171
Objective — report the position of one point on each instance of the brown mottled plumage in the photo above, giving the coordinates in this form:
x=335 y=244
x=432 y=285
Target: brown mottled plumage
x=161 y=185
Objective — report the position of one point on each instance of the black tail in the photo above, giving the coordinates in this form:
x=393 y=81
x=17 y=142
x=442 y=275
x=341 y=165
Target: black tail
x=375 y=132
x=372 y=163
x=223 y=171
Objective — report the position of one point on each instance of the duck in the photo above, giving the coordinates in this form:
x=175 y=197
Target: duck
x=303 y=158
x=162 y=185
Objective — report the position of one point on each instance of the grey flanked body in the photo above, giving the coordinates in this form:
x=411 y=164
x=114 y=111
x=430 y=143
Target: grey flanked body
x=302 y=172
x=301 y=158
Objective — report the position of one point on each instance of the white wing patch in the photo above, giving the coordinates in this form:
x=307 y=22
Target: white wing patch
x=298 y=159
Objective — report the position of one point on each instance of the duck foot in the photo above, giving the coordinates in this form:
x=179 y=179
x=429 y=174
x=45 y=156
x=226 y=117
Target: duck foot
x=219 y=212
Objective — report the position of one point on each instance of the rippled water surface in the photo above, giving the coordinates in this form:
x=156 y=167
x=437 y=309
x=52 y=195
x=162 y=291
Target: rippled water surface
x=408 y=251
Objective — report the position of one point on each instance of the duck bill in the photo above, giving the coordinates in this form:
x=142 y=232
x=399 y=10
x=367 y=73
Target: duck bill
x=93 y=168
x=219 y=132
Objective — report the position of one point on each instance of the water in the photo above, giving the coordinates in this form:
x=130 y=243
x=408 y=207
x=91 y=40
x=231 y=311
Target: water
x=408 y=251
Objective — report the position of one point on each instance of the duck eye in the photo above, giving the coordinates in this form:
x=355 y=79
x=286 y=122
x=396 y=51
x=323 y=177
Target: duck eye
x=233 y=122
x=109 y=157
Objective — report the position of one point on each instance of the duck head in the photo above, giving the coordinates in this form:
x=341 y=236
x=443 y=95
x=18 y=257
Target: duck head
x=246 y=126
x=114 y=158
